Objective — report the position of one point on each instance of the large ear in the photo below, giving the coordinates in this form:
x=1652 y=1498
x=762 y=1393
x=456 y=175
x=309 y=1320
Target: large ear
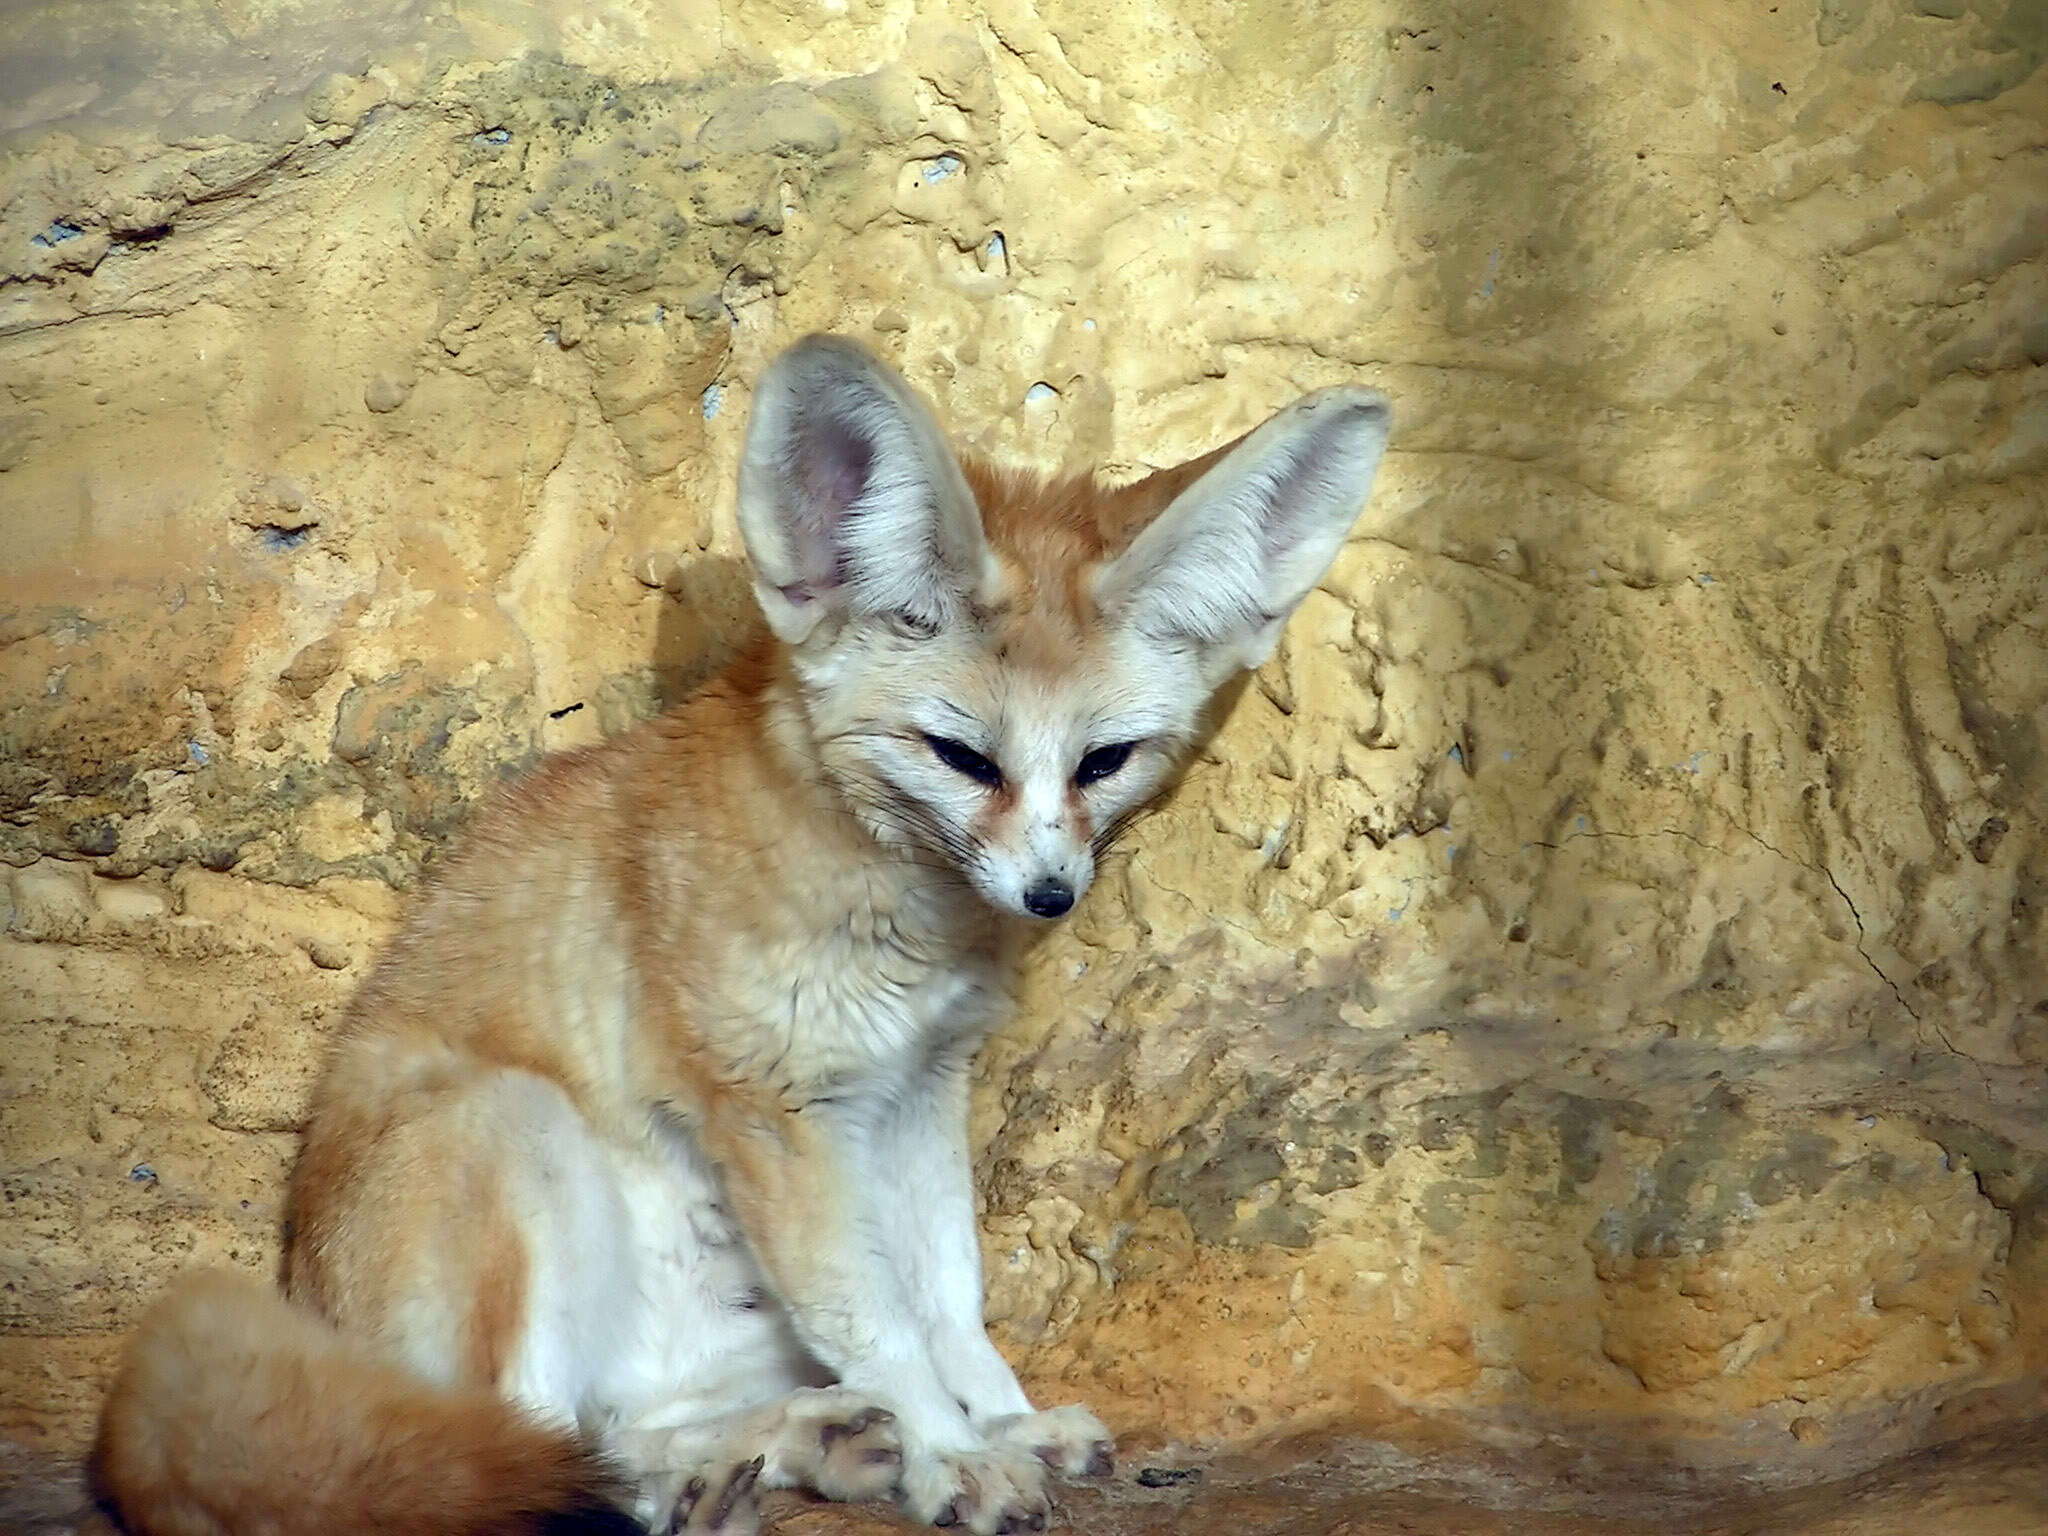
x=850 y=500
x=1235 y=552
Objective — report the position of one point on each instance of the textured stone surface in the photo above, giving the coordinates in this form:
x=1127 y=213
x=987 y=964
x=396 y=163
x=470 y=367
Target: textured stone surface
x=1988 y=1483
x=1593 y=986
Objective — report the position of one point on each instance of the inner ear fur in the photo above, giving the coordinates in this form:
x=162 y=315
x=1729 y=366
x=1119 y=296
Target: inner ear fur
x=1248 y=530
x=850 y=498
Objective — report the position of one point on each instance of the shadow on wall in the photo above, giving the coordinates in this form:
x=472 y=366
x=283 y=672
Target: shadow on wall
x=1532 y=1367
x=708 y=617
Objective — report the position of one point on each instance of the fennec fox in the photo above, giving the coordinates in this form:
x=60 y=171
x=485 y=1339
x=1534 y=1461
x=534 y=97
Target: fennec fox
x=639 y=1169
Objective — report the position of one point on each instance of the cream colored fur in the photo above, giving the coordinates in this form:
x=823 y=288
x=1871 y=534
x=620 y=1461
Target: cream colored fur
x=652 y=1122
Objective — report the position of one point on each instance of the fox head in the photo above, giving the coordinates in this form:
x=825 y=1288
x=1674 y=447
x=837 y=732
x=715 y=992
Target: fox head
x=1000 y=670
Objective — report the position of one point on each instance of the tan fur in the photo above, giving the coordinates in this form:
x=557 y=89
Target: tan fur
x=707 y=934
x=677 y=854
x=236 y=1412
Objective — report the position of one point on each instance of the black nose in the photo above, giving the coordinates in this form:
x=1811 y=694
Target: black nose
x=1049 y=898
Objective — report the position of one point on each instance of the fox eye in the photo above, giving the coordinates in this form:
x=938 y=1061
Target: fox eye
x=1102 y=762
x=964 y=759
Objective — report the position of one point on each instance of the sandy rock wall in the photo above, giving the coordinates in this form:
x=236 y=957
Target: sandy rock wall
x=1595 y=982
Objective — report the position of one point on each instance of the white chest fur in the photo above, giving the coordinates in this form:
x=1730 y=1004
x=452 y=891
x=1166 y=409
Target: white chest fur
x=891 y=974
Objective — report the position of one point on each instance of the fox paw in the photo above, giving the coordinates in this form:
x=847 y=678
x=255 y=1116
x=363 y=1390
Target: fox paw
x=837 y=1444
x=997 y=1489
x=1070 y=1440
x=714 y=1500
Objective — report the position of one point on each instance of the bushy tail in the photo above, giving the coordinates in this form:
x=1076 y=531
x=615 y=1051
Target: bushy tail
x=236 y=1413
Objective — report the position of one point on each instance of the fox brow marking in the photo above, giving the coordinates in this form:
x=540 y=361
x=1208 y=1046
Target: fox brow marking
x=973 y=722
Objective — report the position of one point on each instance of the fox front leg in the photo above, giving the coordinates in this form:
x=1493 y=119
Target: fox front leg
x=798 y=1181
x=924 y=1178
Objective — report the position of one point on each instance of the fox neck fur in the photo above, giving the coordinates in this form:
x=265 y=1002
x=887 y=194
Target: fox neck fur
x=728 y=925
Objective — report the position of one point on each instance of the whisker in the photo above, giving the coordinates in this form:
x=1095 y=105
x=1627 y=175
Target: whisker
x=1113 y=831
